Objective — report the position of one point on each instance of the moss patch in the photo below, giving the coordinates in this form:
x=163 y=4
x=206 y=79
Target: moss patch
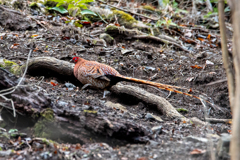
x=45 y=126
x=9 y=65
x=124 y=19
x=182 y=110
x=107 y=38
x=148 y=7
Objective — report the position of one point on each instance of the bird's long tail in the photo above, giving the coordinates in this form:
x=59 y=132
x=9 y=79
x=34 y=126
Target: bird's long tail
x=158 y=85
x=165 y=87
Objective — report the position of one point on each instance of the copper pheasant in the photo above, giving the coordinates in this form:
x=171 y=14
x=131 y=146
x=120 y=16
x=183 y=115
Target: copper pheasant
x=98 y=75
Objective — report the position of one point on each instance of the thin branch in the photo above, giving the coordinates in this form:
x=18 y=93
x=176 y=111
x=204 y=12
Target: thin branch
x=14 y=88
x=225 y=56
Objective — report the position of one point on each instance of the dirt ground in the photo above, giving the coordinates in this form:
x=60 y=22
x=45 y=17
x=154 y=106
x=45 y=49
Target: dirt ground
x=148 y=60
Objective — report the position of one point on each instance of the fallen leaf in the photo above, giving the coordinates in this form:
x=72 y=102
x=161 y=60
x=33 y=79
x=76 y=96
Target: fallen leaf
x=230 y=121
x=209 y=37
x=142 y=158
x=78 y=146
x=196 y=66
x=201 y=39
x=197 y=151
x=54 y=84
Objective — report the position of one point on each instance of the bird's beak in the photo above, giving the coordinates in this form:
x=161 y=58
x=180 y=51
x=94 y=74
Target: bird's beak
x=71 y=60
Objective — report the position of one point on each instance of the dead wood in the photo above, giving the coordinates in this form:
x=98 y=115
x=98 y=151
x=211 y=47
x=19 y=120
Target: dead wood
x=162 y=104
x=225 y=55
x=215 y=120
x=28 y=99
x=49 y=63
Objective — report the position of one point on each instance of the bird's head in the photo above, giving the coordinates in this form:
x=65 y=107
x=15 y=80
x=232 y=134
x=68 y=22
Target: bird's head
x=75 y=59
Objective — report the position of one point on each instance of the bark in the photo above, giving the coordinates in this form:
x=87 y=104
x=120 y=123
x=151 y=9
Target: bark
x=226 y=58
x=235 y=141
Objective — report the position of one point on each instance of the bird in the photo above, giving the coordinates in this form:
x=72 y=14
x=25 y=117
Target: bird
x=101 y=76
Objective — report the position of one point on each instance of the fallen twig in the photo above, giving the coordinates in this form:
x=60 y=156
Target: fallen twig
x=215 y=120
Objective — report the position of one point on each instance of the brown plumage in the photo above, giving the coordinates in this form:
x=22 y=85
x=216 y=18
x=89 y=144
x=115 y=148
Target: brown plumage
x=98 y=75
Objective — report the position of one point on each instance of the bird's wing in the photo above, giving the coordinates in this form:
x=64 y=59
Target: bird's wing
x=94 y=71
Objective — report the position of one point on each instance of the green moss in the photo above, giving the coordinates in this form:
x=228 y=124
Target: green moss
x=41 y=128
x=148 y=7
x=1 y=149
x=124 y=19
x=94 y=42
x=9 y=65
x=156 y=31
x=48 y=114
x=90 y=111
x=33 y=5
x=109 y=39
x=48 y=141
x=111 y=28
x=182 y=110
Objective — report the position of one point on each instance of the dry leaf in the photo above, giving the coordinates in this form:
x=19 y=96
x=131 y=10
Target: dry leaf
x=197 y=151
x=196 y=66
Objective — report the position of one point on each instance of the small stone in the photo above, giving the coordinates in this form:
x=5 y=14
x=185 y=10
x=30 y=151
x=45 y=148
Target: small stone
x=196 y=139
x=6 y=153
x=108 y=39
x=183 y=57
x=125 y=51
x=150 y=68
x=156 y=128
x=149 y=116
x=209 y=62
x=164 y=56
x=153 y=143
x=70 y=85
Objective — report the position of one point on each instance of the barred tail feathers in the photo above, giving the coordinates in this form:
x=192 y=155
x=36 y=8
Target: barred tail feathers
x=159 y=85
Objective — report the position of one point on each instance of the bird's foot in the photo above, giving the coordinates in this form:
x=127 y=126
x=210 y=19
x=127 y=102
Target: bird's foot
x=85 y=86
x=105 y=92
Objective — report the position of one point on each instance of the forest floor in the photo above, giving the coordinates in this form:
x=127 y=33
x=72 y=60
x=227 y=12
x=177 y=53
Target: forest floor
x=199 y=69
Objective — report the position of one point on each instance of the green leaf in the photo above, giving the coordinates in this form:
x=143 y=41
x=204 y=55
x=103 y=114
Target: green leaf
x=78 y=24
x=67 y=22
x=215 y=9
x=175 y=4
x=83 y=6
x=59 y=9
x=227 y=9
x=70 y=6
x=88 y=12
x=12 y=130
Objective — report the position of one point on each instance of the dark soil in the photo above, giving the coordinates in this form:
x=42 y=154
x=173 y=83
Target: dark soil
x=167 y=64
